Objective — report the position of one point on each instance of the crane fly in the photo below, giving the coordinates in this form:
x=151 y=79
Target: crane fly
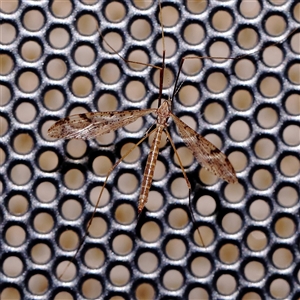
x=93 y=124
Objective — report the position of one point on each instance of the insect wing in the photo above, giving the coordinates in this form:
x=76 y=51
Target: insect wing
x=90 y=125
x=209 y=156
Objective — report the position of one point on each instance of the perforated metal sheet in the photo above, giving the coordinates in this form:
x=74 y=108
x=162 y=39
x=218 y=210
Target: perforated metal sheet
x=53 y=64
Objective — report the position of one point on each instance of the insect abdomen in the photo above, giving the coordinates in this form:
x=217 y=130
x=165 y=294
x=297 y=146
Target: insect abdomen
x=149 y=169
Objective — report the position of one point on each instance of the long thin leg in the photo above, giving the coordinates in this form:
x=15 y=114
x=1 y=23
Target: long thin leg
x=100 y=195
x=187 y=183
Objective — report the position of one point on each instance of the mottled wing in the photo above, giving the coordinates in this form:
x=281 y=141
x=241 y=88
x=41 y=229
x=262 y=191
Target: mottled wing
x=209 y=156
x=90 y=125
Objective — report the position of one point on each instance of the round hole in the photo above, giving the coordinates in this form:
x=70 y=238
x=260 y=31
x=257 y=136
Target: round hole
x=216 y=82
x=226 y=284
x=198 y=293
x=71 y=209
x=264 y=148
x=291 y=135
x=179 y=188
x=287 y=196
x=43 y=222
x=173 y=280
x=242 y=100
x=229 y=253
x=186 y=157
x=201 y=266
x=285 y=227
x=48 y=161
x=257 y=240
x=254 y=271
x=76 y=148
x=84 y=55
x=69 y=240
x=279 y=288
x=234 y=193
x=188 y=95
x=23 y=143
x=9 y=32
x=46 y=191
x=135 y=91
x=232 y=223
x=98 y=227
x=66 y=271
x=193 y=34
x=122 y=244
x=206 y=205
x=101 y=165
x=267 y=117
x=250 y=10
x=127 y=183
x=133 y=156
x=239 y=131
x=59 y=38
x=282 y=258
x=290 y=165
x=203 y=236
x=150 y=232
x=61 y=10
x=125 y=214
x=54 y=99
x=86 y=25
x=73 y=179
x=91 y=288
x=214 y=113
x=145 y=291
x=96 y=193
x=82 y=86
x=25 y=112
x=219 y=49
x=56 y=69
x=222 y=20
x=245 y=69
x=10 y=292
x=12 y=266
x=147 y=262
x=119 y=275
x=18 y=205
x=115 y=11
x=247 y=38
x=38 y=284
x=272 y=56
x=175 y=249
x=94 y=258
x=15 y=236
x=138 y=56
x=178 y=218
x=259 y=210
x=140 y=29
x=262 y=179
x=33 y=20
x=40 y=253
x=20 y=174
x=155 y=201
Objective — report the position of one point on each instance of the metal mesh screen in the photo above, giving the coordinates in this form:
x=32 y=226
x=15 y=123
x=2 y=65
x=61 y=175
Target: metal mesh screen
x=53 y=64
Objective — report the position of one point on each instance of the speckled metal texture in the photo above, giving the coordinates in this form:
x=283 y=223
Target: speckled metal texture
x=54 y=63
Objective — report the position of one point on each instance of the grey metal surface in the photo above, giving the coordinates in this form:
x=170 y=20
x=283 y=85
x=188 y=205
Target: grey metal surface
x=251 y=229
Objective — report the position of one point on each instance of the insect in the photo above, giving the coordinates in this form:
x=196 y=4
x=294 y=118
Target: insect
x=90 y=125
x=93 y=124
